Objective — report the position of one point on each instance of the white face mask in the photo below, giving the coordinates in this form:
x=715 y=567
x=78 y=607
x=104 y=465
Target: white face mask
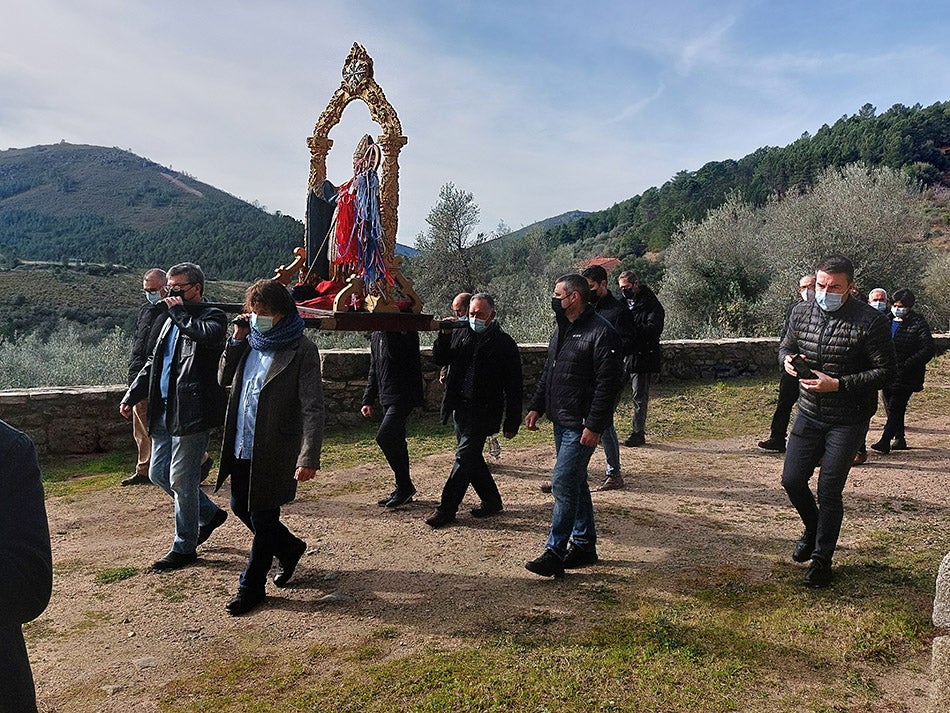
x=808 y=294
x=899 y=311
x=879 y=305
x=261 y=322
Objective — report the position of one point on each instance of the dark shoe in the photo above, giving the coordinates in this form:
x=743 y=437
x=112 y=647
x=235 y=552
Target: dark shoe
x=206 y=468
x=545 y=487
x=774 y=444
x=635 y=439
x=547 y=565
x=860 y=458
x=386 y=498
x=439 y=519
x=804 y=547
x=137 y=479
x=579 y=556
x=399 y=497
x=819 y=574
x=243 y=602
x=611 y=482
x=174 y=560
x=285 y=570
x=898 y=444
x=204 y=531
x=881 y=446
x=484 y=510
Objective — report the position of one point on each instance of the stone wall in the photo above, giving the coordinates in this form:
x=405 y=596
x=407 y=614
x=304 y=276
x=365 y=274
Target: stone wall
x=85 y=419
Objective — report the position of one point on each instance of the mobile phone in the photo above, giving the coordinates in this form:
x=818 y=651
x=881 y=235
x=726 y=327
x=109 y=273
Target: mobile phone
x=801 y=367
x=241 y=322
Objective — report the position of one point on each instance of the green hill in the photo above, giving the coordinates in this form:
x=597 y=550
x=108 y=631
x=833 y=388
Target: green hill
x=106 y=205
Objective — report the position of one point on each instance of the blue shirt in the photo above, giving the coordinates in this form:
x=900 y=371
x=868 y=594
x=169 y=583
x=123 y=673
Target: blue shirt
x=255 y=372
x=167 y=358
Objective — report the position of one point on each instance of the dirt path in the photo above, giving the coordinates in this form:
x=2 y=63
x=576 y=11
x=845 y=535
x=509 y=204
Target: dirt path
x=692 y=514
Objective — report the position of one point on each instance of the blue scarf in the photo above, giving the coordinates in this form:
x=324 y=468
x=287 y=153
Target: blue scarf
x=286 y=333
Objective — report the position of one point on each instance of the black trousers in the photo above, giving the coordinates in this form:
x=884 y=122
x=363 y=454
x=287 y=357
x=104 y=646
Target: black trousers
x=787 y=396
x=895 y=403
x=469 y=467
x=271 y=536
x=391 y=438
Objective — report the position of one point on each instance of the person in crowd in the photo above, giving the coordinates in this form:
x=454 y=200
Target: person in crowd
x=646 y=325
x=787 y=385
x=149 y=322
x=841 y=349
x=272 y=433
x=617 y=313
x=877 y=298
x=459 y=314
x=483 y=393
x=577 y=390
x=914 y=346
x=179 y=380
x=26 y=565
x=395 y=380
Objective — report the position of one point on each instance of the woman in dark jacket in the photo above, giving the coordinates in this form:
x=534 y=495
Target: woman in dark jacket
x=915 y=347
x=273 y=431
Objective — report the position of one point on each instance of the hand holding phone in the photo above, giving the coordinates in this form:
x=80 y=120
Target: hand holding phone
x=801 y=367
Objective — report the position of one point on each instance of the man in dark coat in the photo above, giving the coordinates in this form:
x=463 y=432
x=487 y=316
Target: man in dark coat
x=577 y=391
x=150 y=319
x=646 y=323
x=273 y=431
x=26 y=565
x=483 y=385
x=395 y=380
x=180 y=381
x=615 y=312
x=845 y=354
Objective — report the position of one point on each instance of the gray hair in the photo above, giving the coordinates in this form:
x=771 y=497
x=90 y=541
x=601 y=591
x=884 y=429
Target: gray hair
x=484 y=297
x=190 y=270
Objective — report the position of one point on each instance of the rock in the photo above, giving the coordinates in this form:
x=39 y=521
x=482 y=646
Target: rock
x=335 y=598
x=112 y=689
x=941 y=615
x=940 y=675
x=145 y=662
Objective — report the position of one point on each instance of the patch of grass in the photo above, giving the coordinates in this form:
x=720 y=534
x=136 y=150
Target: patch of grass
x=117 y=574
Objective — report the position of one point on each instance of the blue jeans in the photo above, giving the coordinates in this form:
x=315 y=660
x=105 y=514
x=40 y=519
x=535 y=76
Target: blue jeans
x=835 y=445
x=573 y=517
x=176 y=468
x=611 y=451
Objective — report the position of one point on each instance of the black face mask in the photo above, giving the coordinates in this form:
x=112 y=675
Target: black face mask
x=177 y=292
x=629 y=293
x=558 y=306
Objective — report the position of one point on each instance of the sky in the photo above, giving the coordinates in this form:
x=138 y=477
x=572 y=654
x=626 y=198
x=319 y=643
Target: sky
x=536 y=108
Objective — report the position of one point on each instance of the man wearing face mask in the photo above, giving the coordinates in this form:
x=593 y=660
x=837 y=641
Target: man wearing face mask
x=877 y=298
x=646 y=325
x=578 y=391
x=843 y=353
x=787 y=385
x=179 y=380
x=483 y=393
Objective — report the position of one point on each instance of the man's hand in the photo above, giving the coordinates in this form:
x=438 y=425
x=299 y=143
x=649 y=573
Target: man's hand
x=125 y=410
x=823 y=384
x=242 y=329
x=531 y=420
x=789 y=367
x=303 y=474
x=366 y=411
x=589 y=438
x=173 y=301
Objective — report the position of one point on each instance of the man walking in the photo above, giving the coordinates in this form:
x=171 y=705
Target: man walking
x=483 y=384
x=617 y=313
x=646 y=325
x=843 y=353
x=578 y=391
x=787 y=385
x=180 y=381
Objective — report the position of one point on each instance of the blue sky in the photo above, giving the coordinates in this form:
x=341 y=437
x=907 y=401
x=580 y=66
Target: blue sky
x=536 y=108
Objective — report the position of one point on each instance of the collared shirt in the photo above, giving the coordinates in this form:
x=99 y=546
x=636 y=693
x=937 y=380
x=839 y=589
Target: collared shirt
x=167 y=358
x=255 y=372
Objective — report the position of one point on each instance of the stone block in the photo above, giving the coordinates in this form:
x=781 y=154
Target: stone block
x=69 y=435
x=940 y=676
x=941 y=614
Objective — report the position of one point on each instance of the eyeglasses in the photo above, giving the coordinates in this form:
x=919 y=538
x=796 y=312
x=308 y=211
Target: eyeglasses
x=182 y=285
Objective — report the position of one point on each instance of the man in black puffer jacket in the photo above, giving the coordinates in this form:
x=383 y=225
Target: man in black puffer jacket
x=847 y=345
x=483 y=386
x=578 y=392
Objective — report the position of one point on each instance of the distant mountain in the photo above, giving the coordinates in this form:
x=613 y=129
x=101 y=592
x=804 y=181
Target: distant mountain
x=67 y=202
x=542 y=225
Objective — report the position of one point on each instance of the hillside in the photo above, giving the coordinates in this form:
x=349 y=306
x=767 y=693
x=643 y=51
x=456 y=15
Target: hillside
x=915 y=139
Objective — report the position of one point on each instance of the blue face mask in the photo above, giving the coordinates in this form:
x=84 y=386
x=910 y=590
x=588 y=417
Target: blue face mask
x=261 y=323
x=879 y=305
x=153 y=296
x=899 y=311
x=478 y=325
x=829 y=301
